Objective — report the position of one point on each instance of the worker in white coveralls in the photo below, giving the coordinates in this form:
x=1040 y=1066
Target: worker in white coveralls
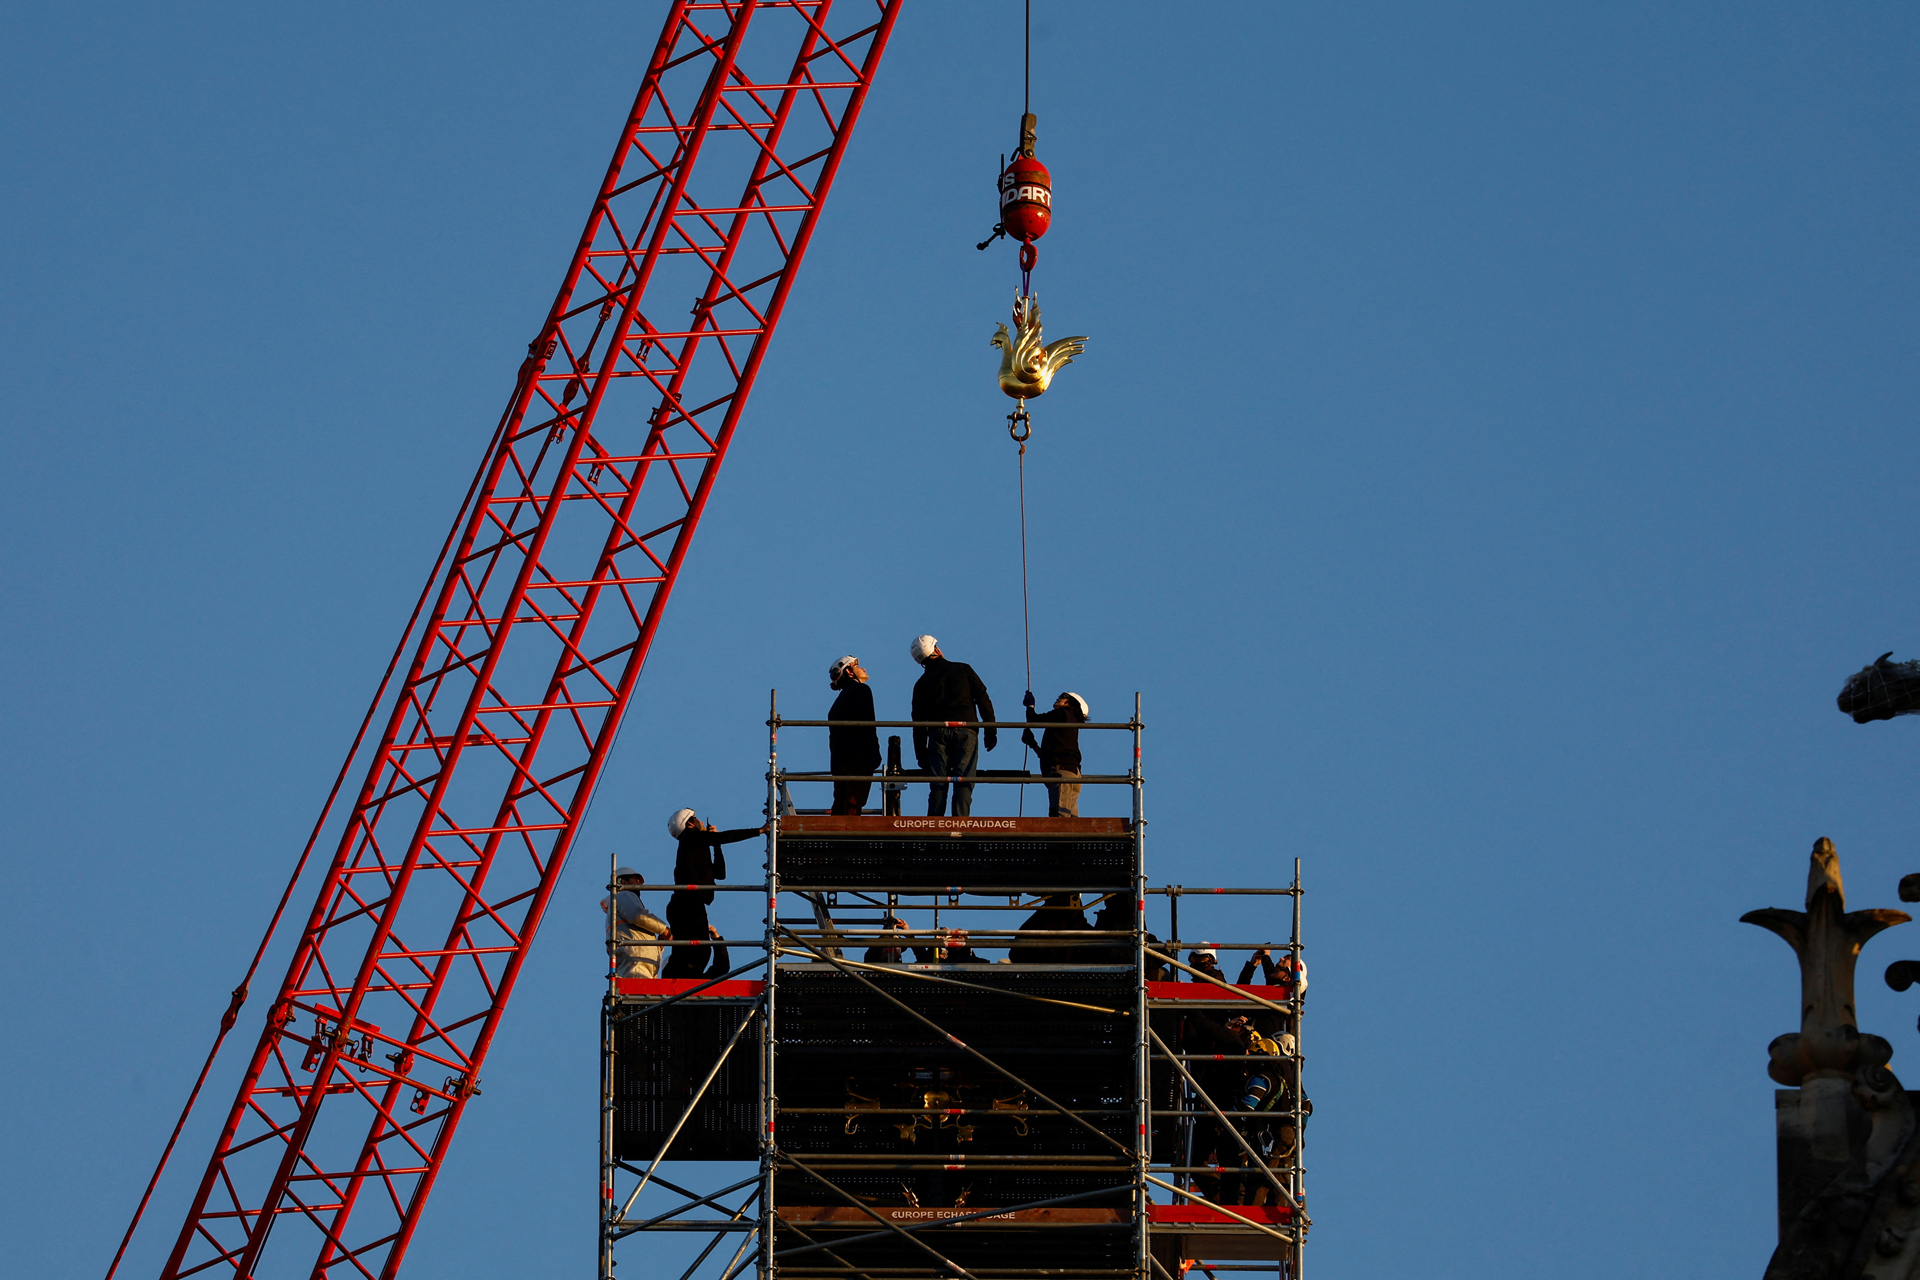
x=636 y=930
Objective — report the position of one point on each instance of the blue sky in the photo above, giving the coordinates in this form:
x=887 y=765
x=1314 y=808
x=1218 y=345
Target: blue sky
x=1493 y=451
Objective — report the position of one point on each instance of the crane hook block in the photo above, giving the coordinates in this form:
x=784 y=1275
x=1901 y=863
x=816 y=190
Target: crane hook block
x=1026 y=191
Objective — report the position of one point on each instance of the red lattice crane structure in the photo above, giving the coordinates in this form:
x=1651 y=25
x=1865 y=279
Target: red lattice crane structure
x=538 y=625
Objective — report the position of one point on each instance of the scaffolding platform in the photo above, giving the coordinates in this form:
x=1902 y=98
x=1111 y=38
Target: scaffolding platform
x=881 y=1093
x=1177 y=1232
x=909 y=854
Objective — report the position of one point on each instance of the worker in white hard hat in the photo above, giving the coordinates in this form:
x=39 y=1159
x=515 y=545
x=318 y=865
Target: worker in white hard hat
x=1059 y=751
x=855 y=748
x=700 y=859
x=1207 y=960
x=636 y=930
x=950 y=693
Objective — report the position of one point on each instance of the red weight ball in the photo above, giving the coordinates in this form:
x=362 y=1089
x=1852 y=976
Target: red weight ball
x=1026 y=199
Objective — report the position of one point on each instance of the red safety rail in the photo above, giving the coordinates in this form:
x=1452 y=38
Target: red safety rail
x=1208 y=992
x=588 y=499
x=738 y=988
x=1206 y=1215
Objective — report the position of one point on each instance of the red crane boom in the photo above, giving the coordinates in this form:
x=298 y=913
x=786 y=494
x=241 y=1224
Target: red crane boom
x=539 y=624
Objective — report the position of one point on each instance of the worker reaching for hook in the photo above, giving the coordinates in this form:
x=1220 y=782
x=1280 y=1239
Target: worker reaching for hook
x=1059 y=751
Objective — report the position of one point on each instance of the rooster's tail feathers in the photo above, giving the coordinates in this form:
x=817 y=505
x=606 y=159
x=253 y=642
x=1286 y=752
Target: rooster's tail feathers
x=1060 y=354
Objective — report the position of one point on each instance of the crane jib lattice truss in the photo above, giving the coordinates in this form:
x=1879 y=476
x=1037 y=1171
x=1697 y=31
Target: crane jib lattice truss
x=539 y=625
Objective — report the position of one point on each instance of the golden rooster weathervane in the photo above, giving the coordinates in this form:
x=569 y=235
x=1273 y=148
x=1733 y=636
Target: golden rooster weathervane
x=1027 y=361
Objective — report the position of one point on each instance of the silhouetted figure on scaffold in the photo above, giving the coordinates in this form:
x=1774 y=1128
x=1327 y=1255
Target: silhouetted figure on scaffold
x=1059 y=751
x=635 y=929
x=700 y=860
x=851 y=749
x=951 y=693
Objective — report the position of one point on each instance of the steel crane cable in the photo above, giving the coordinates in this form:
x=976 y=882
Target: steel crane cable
x=1017 y=424
x=1027 y=256
x=1026 y=617
x=239 y=996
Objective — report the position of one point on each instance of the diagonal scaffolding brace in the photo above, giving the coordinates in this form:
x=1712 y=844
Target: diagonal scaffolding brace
x=966 y=1048
x=686 y=1114
x=1240 y=1138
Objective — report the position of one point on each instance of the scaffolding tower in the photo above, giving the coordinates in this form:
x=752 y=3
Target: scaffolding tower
x=882 y=1103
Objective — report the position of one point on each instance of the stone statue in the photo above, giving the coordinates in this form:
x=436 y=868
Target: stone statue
x=1849 y=1146
x=1827 y=939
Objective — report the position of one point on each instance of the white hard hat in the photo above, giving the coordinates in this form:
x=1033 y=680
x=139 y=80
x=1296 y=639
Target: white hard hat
x=923 y=648
x=1082 y=701
x=1208 y=952
x=621 y=873
x=678 y=822
x=841 y=664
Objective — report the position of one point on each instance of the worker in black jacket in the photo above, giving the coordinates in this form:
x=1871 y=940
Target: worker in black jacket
x=1059 y=751
x=700 y=860
x=951 y=693
x=1061 y=913
x=717 y=962
x=852 y=749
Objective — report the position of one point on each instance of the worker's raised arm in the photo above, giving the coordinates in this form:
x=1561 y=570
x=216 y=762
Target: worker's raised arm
x=715 y=839
x=1262 y=960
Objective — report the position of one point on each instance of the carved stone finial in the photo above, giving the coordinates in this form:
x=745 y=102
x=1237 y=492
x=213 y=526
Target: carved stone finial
x=1827 y=939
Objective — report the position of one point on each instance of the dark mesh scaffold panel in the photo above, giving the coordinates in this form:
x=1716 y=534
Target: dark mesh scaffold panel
x=660 y=1059
x=940 y=861
x=852 y=1055
x=1076 y=1243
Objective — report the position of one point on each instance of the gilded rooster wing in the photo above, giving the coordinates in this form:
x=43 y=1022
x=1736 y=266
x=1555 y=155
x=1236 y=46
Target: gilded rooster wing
x=1058 y=355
